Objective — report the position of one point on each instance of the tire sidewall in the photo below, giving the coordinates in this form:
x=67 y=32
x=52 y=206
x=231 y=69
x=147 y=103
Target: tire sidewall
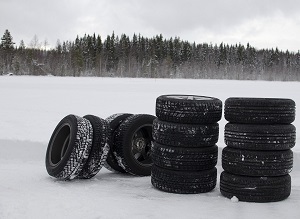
x=70 y=121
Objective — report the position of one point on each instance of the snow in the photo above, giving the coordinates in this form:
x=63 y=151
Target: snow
x=31 y=107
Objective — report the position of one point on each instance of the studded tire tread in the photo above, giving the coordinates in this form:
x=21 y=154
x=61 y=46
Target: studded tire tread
x=183 y=182
x=189 y=109
x=185 y=135
x=257 y=163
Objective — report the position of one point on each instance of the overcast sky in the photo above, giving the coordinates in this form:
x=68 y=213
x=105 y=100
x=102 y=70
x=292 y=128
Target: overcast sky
x=262 y=23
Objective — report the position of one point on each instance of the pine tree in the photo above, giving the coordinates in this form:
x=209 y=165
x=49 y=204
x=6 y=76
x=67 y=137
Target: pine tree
x=7 y=49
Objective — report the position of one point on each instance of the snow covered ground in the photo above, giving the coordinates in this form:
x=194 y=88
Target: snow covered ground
x=30 y=109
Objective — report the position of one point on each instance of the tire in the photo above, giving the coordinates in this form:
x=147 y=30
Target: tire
x=185 y=135
x=188 y=109
x=184 y=159
x=260 y=137
x=69 y=147
x=114 y=122
x=183 y=182
x=132 y=146
x=259 y=110
x=99 y=150
x=257 y=163
x=255 y=189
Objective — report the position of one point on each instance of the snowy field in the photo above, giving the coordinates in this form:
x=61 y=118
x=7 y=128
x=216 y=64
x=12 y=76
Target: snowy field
x=30 y=109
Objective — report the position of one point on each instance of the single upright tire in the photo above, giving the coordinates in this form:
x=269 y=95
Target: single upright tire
x=255 y=189
x=185 y=135
x=259 y=110
x=183 y=182
x=132 y=147
x=257 y=163
x=184 y=159
x=99 y=149
x=260 y=137
x=188 y=109
x=69 y=147
x=114 y=122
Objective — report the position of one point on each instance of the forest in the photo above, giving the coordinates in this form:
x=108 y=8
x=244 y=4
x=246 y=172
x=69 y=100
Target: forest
x=155 y=57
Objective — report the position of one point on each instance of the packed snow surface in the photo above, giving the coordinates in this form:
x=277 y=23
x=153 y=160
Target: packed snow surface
x=31 y=107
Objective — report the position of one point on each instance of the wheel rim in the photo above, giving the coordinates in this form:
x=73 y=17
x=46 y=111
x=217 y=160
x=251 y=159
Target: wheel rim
x=141 y=145
x=60 y=144
x=188 y=97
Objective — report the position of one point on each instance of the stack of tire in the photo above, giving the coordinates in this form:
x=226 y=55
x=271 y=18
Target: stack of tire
x=258 y=157
x=80 y=146
x=184 y=151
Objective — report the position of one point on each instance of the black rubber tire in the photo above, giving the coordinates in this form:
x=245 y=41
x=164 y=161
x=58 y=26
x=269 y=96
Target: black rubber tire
x=259 y=110
x=260 y=137
x=184 y=159
x=257 y=163
x=114 y=121
x=188 y=109
x=124 y=145
x=69 y=147
x=99 y=150
x=255 y=189
x=185 y=135
x=184 y=182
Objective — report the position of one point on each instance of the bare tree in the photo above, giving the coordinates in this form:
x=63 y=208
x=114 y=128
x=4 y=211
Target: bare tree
x=34 y=43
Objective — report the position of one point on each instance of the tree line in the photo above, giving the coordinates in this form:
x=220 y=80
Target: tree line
x=156 y=57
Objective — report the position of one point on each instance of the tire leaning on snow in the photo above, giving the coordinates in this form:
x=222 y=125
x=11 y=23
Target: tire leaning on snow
x=69 y=147
x=114 y=121
x=132 y=144
x=99 y=150
x=188 y=109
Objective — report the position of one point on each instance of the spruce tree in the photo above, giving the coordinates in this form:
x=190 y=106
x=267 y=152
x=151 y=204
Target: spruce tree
x=7 y=49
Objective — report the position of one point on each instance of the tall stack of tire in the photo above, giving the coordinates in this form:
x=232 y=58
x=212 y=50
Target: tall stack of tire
x=184 y=151
x=258 y=157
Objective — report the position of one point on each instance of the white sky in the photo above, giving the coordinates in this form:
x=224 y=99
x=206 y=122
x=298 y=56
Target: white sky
x=262 y=23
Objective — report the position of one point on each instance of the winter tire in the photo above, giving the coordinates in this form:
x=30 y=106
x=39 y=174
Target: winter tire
x=188 y=109
x=183 y=182
x=99 y=148
x=259 y=110
x=185 y=135
x=69 y=147
x=114 y=122
x=132 y=147
x=260 y=137
x=255 y=189
x=184 y=159
x=257 y=163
